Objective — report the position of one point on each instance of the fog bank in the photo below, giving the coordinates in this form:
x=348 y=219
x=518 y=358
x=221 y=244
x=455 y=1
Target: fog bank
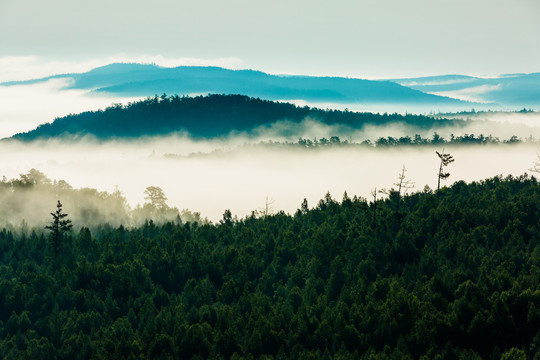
x=24 y=107
x=211 y=176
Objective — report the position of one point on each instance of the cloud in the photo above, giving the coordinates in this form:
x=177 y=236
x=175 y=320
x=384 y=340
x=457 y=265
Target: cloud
x=419 y=82
x=24 y=107
x=473 y=94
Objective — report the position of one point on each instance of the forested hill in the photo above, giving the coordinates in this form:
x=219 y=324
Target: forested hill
x=206 y=116
x=459 y=278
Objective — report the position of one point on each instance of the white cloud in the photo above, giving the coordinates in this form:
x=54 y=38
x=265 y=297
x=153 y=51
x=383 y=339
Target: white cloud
x=473 y=94
x=433 y=83
x=23 y=107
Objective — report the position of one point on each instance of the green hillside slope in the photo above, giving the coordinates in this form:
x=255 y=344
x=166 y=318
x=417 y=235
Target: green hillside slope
x=459 y=279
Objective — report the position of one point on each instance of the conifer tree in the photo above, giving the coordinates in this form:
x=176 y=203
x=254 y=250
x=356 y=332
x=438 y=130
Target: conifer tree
x=446 y=159
x=58 y=226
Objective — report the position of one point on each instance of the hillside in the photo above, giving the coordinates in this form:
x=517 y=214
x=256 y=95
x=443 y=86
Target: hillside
x=206 y=116
x=147 y=80
x=457 y=279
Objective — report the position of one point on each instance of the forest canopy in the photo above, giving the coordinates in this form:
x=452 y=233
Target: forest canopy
x=458 y=278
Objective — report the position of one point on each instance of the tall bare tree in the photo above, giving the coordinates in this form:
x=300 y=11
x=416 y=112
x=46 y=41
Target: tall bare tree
x=402 y=186
x=536 y=164
x=268 y=206
x=446 y=159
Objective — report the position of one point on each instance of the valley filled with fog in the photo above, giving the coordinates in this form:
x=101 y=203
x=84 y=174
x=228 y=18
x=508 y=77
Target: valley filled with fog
x=210 y=176
x=236 y=172
x=270 y=180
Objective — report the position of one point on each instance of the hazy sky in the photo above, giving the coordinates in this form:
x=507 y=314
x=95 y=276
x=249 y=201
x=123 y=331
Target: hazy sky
x=358 y=38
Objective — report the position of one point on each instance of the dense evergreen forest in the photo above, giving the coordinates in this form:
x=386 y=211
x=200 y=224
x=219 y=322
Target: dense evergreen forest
x=453 y=275
x=207 y=116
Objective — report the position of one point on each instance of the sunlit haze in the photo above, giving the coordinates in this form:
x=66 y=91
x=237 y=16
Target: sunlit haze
x=240 y=178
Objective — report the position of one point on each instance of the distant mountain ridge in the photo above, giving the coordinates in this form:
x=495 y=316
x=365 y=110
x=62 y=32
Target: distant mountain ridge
x=206 y=116
x=448 y=92
x=515 y=90
x=148 y=80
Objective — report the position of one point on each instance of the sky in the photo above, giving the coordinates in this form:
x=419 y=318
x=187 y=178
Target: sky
x=355 y=38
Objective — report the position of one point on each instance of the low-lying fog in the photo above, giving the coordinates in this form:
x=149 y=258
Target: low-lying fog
x=24 y=107
x=211 y=176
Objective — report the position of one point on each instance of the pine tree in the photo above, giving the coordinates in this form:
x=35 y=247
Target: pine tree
x=446 y=159
x=59 y=225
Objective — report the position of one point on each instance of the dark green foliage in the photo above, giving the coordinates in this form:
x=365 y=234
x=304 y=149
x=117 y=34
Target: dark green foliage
x=446 y=159
x=206 y=116
x=58 y=227
x=460 y=279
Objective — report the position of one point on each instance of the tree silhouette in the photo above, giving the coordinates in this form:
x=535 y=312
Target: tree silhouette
x=304 y=207
x=227 y=217
x=374 y=193
x=446 y=159
x=156 y=196
x=536 y=163
x=59 y=225
x=268 y=206
x=403 y=186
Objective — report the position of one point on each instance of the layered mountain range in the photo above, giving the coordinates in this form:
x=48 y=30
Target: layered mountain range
x=148 y=80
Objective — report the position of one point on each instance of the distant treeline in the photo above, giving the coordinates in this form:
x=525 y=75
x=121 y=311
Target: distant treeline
x=382 y=142
x=436 y=139
x=484 y=112
x=207 y=116
x=459 y=279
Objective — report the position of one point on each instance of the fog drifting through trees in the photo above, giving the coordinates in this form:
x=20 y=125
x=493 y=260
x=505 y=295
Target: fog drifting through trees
x=213 y=175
